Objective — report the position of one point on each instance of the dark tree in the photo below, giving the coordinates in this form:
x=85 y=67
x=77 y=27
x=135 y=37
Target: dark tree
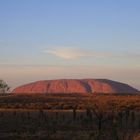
x=4 y=88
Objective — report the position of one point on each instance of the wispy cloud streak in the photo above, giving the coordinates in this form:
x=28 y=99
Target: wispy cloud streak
x=73 y=53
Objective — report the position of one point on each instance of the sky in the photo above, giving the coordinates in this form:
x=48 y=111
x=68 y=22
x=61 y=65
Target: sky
x=60 y=39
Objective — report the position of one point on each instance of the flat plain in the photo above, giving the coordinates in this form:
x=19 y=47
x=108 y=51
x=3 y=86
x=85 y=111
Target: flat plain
x=70 y=117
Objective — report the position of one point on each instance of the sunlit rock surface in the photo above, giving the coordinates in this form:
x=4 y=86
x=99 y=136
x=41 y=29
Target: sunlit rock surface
x=75 y=86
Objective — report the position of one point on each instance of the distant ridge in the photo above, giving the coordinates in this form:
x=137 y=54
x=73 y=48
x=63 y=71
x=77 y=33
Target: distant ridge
x=75 y=86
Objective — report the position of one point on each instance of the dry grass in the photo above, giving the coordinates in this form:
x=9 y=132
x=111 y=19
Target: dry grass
x=70 y=117
x=70 y=101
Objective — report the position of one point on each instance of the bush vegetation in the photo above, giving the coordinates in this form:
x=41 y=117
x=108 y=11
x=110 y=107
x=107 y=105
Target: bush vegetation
x=70 y=117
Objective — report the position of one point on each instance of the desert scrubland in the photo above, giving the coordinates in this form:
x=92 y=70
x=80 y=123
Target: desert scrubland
x=70 y=116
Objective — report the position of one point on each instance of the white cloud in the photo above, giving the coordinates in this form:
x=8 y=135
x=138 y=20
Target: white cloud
x=72 y=53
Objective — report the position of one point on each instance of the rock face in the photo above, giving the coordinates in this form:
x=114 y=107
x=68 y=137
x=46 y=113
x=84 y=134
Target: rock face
x=75 y=86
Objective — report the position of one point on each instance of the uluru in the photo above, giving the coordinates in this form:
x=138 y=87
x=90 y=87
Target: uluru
x=75 y=86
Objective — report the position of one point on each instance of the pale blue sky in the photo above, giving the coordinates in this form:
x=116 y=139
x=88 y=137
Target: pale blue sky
x=101 y=38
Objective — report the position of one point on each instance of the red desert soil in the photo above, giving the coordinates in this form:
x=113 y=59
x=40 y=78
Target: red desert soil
x=75 y=86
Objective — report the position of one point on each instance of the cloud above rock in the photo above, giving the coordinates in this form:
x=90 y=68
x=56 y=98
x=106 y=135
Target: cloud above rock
x=73 y=53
